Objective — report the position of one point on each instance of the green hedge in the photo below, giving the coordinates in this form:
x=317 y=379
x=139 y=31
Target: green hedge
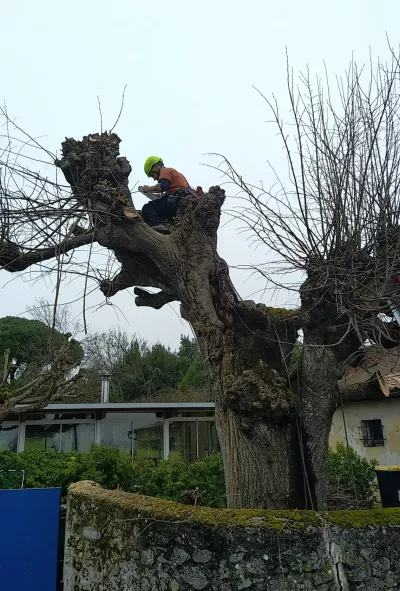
x=105 y=465
x=350 y=476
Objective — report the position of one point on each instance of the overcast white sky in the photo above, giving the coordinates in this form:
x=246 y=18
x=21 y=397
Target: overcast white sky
x=190 y=67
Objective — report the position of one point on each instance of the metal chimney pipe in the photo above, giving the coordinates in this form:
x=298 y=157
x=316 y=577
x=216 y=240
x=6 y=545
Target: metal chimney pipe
x=105 y=388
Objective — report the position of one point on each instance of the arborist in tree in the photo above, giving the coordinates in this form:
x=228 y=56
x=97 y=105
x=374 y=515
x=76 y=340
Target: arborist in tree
x=171 y=186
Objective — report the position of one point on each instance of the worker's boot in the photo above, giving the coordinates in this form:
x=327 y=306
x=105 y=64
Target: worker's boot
x=161 y=229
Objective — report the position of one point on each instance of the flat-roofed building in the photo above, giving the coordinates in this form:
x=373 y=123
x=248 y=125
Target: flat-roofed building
x=150 y=430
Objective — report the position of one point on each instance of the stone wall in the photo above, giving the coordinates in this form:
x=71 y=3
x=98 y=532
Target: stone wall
x=122 y=542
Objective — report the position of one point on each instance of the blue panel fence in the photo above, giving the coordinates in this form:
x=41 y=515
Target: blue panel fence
x=29 y=539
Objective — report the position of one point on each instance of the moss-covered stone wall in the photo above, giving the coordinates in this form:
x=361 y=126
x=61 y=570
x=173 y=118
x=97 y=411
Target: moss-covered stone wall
x=122 y=542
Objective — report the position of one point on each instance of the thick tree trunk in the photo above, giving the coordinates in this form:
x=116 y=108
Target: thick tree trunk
x=317 y=403
x=256 y=427
x=254 y=416
x=254 y=408
x=327 y=344
x=261 y=470
x=257 y=430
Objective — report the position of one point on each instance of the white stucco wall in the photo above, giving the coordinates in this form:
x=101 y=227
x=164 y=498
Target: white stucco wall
x=388 y=411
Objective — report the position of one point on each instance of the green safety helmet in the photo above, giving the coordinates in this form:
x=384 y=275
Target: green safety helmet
x=150 y=162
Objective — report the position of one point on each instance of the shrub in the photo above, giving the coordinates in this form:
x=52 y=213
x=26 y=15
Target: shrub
x=208 y=476
x=351 y=479
x=15 y=463
x=105 y=465
x=168 y=479
x=54 y=469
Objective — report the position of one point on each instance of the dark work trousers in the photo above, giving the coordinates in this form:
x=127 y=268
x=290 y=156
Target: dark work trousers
x=160 y=210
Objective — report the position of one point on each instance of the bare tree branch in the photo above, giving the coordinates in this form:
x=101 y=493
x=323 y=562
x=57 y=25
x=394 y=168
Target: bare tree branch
x=14 y=259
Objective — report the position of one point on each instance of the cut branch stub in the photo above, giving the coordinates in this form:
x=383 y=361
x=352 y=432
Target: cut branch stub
x=152 y=300
x=208 y=211
x=92 y=161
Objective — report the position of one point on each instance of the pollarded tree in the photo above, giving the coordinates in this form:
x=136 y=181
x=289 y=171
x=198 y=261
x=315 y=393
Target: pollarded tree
x=59 y=380
x=337 y=225
x=30 y=344
x=38 y=365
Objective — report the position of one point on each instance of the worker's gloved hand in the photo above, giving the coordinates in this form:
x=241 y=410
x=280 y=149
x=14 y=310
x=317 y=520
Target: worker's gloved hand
x=145 y=188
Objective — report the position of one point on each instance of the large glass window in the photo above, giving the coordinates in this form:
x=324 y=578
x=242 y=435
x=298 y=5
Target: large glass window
x=66 y=437
x=207 y=438
x=192 y=439
x=140 y=434
x=42 y=437
x=148 y=436
x=77 y=437
x=9 y=437
x=117 y=435
x=183 y=440
x=116 y=431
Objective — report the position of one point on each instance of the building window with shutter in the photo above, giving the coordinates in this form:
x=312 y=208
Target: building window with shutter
x=372 y=433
